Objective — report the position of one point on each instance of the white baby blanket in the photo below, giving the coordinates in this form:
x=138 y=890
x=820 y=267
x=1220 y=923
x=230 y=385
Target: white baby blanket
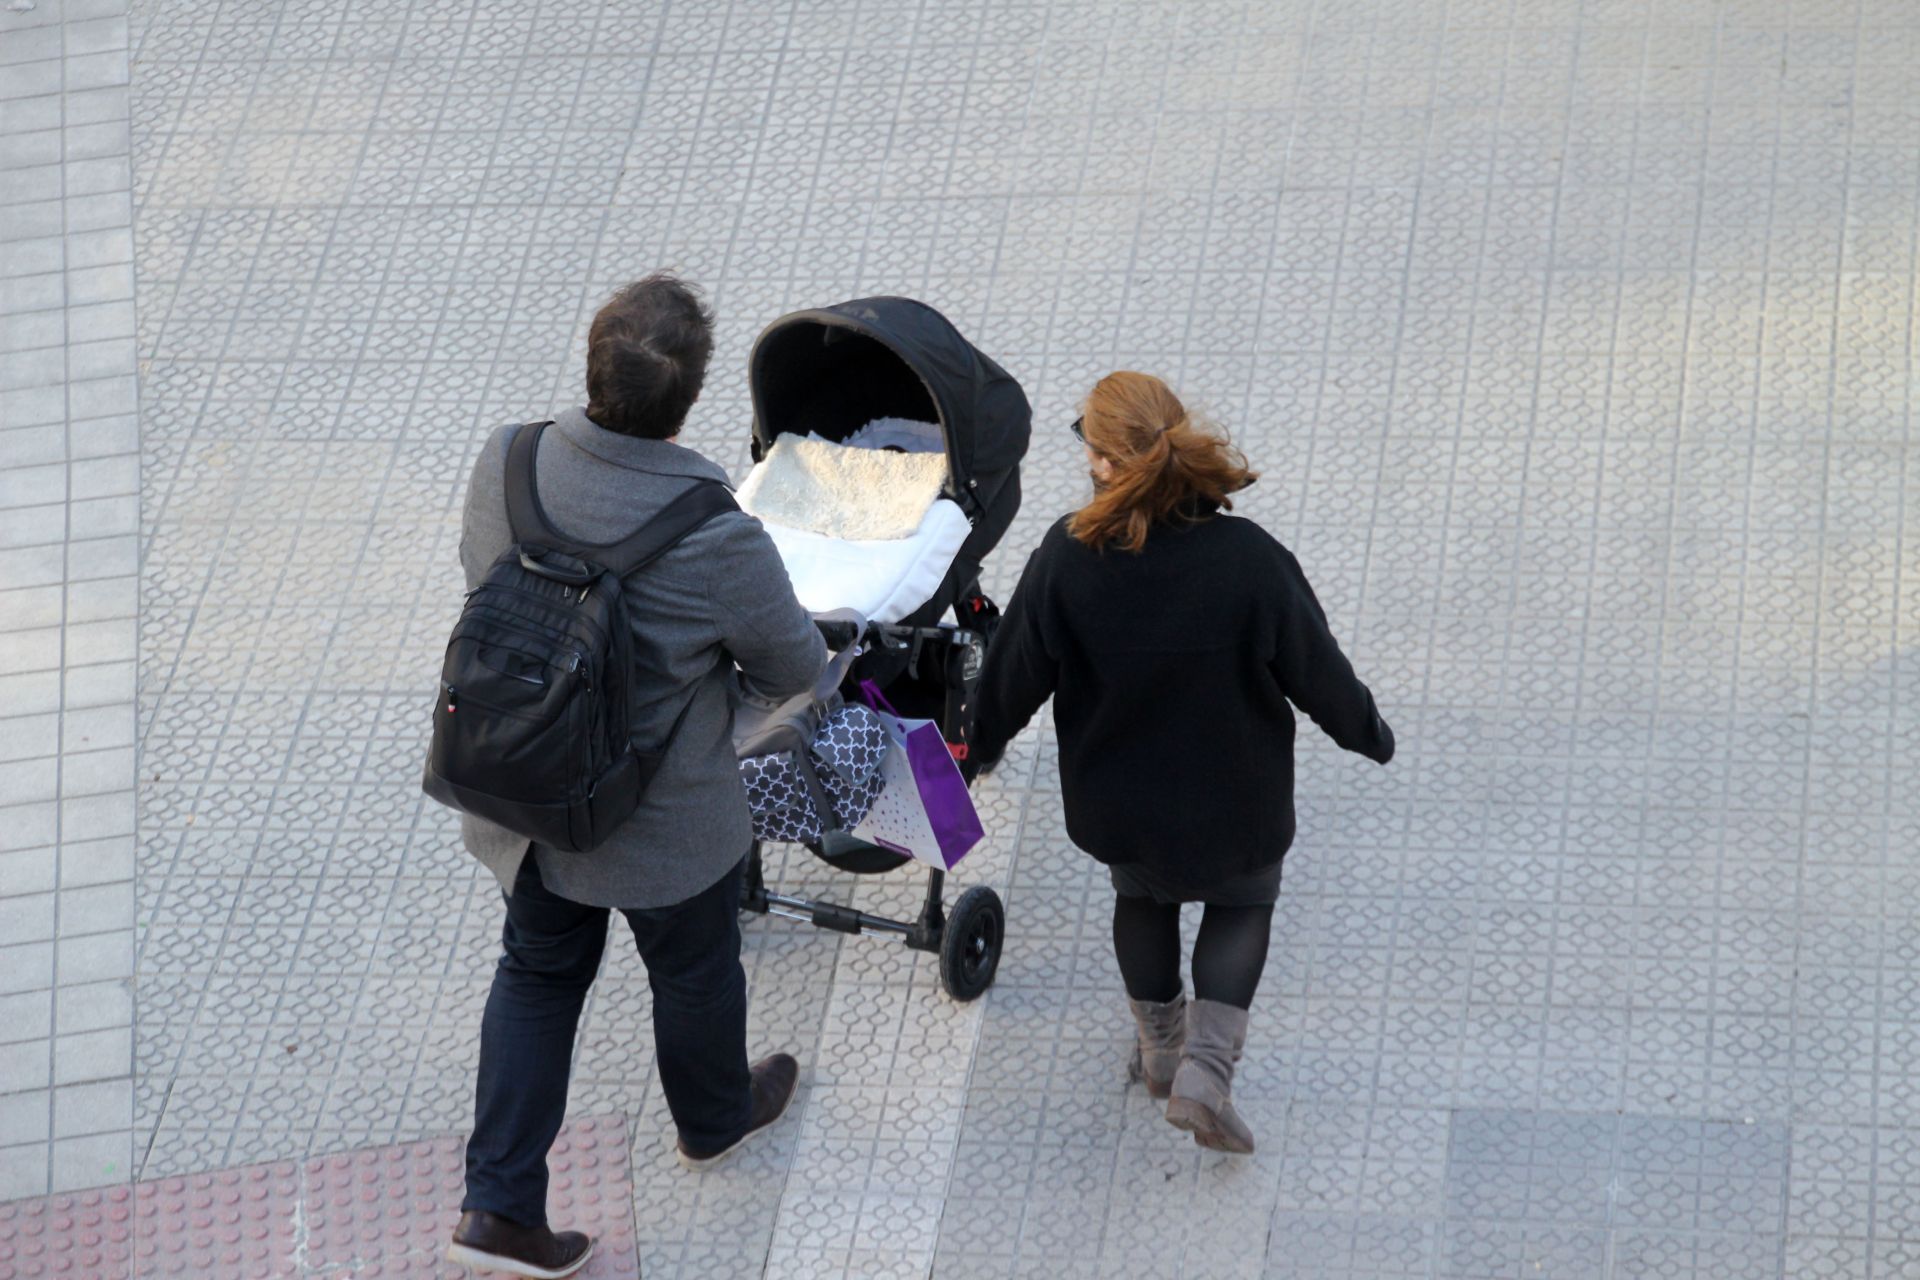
x=886 y=579
x=850 y=493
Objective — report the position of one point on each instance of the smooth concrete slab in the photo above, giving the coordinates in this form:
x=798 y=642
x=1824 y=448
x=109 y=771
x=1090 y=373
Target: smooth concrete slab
x=68 y=627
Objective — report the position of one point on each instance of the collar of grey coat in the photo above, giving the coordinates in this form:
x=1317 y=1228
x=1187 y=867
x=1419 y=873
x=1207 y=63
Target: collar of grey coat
x=634 y=453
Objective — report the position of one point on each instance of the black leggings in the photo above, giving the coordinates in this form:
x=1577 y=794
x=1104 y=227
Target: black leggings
x=1227 y=956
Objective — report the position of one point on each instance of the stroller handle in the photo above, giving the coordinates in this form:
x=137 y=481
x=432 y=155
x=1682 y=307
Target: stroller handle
x=840 y=633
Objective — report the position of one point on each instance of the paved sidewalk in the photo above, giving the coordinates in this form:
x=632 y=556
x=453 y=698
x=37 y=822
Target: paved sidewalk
x=69 y=517
x=1574 y=340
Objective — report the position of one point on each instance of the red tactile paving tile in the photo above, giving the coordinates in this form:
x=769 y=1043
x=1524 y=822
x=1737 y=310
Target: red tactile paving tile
x=393 y=1206
x=232 y=1222
x=379 y=1212
x=86 y=1235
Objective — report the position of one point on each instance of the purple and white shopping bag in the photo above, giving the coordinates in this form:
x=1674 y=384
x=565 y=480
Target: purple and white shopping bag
x=924 y=809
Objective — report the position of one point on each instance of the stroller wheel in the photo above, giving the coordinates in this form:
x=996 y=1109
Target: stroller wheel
x=970 y=944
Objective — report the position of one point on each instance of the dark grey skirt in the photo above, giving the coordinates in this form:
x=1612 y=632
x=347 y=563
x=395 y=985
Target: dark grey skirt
x=1260 y=889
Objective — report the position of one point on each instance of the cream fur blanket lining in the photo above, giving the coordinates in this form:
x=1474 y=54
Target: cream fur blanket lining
x=838 y=492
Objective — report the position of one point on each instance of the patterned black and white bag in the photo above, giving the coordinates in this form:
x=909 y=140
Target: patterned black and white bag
x=811 y=762
x=839 y=771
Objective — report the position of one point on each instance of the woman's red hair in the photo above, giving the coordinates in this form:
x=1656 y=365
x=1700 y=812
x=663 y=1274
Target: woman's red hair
x=1165 y=466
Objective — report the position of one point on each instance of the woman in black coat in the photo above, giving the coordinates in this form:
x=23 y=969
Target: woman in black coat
x=1172 y=639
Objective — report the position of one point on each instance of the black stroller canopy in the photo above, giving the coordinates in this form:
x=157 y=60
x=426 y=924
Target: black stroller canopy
x=833 y=369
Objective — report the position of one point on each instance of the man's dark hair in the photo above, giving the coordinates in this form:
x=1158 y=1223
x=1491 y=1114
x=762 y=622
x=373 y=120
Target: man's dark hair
x=647 y=356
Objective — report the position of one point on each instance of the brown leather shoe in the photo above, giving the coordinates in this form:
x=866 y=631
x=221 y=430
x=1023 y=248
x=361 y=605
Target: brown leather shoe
x=488 y=1240
x=775 y=1080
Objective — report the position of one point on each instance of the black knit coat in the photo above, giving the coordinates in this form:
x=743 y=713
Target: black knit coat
x=1171 y=671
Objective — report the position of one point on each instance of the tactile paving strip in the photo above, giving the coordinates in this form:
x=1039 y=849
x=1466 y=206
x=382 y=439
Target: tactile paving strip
x=378 y=1212
x=80 y=1234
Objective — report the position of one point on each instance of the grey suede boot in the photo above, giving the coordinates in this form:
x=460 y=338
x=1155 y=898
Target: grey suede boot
x=1202 y=1102
x=1156 y=1050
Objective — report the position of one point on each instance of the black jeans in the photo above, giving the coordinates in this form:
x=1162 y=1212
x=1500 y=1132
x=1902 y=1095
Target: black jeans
x=550 y=952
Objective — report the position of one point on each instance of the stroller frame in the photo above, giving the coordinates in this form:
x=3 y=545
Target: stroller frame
x=969 y=941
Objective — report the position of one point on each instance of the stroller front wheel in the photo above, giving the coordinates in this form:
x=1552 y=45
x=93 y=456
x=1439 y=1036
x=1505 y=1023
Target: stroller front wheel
x=970 y=943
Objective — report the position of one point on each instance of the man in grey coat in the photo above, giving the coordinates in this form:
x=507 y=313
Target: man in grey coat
x=719 y=598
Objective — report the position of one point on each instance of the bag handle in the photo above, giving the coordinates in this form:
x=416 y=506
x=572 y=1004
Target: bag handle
x=870 y=694
x=838 y=665
x=816 y=790
x=533 y=560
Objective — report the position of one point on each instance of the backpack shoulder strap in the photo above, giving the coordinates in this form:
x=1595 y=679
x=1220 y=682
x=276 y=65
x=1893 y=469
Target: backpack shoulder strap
x=687 y=512
x=525 y=515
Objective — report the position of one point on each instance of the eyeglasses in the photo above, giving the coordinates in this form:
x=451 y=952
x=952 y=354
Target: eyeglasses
x=1079 y=429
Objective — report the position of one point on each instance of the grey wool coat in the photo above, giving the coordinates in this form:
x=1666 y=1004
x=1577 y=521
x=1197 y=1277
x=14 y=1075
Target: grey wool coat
x=719 y=598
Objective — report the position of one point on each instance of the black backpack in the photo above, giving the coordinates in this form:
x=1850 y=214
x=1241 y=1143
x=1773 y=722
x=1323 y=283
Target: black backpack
x=532 y=728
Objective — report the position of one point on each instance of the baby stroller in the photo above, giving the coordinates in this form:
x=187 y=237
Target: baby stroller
x=825 y=375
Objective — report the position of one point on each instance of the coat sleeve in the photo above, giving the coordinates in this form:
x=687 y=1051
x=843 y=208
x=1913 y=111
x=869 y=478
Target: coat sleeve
x=1020 y=673
x=762 y=626
x=1316 y=676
